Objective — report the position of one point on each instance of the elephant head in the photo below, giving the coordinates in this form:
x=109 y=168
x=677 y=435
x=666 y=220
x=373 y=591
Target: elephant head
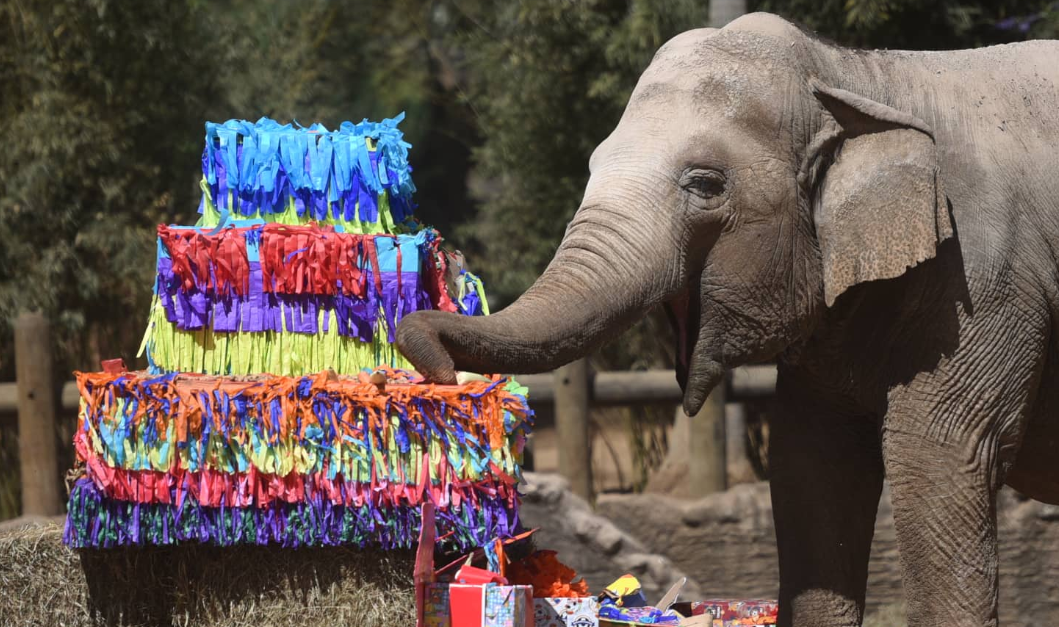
x=743 y=189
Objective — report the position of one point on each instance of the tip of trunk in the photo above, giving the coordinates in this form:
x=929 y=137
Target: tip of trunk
x=419 y=340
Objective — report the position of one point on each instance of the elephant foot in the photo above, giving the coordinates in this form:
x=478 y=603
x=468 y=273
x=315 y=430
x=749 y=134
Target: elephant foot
x=821 y=608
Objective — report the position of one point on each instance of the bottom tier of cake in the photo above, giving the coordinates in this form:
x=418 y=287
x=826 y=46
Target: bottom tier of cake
x=309 y=461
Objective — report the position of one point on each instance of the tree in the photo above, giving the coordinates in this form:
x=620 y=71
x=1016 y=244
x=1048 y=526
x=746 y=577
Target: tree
x=913 y=25
x=548 y=81
x=325 y=61
x=103 y=112
x=104 y=103
x=99 y=112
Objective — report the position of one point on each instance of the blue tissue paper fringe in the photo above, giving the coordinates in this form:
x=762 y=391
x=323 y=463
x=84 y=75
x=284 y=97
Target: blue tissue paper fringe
x=264 y=163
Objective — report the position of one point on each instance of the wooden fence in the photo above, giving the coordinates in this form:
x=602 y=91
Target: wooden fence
x=573 y=389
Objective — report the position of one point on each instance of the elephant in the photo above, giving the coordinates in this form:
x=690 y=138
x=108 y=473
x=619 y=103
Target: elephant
x=882 y=224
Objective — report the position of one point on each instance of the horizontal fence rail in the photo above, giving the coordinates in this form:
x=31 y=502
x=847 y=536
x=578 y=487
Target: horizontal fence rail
x=68 y=397
x=643 y=387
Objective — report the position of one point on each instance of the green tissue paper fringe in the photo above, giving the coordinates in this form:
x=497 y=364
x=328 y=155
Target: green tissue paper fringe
x=211 y=216
x=279 y=353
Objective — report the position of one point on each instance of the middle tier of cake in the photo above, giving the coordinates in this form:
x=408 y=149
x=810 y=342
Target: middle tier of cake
x=290 y=300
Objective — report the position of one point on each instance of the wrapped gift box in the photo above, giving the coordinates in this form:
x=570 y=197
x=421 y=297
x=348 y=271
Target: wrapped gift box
x=623 y=603
x=566 y=612
x=468 y=605
x=730 y=613
x=436 y=606
x=490 y=605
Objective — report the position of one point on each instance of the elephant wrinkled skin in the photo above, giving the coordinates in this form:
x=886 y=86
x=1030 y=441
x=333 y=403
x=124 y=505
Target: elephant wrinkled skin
x=884 y=224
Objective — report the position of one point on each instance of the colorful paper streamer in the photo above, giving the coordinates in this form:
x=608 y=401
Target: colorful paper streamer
x=269 y=277
x=232 y=302
x=95 y=521
x=357 y=175
x=176 y=457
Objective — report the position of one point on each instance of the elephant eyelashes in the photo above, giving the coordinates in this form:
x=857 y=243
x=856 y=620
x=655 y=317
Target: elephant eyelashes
x=709 y=185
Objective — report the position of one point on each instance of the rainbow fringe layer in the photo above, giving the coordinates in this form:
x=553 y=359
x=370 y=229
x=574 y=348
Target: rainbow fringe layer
x=357 y=175
x=318 y=460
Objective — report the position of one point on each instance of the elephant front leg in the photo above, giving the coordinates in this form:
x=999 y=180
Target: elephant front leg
x=826 y=478
x=944 y=503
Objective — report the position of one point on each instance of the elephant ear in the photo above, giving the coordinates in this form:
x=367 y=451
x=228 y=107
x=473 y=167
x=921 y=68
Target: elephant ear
x=879 y=207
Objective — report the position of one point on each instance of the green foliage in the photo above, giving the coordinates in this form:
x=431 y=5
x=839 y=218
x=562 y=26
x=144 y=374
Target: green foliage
x=532 y=65
x=325 y=61
x=548 y=81
x=917 y=25
x=10 y=476
x=100 y=106
x=102 y=116
x=103 y=106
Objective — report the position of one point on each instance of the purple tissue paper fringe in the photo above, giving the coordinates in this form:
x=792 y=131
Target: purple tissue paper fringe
x=194 y=309
x=95 y=521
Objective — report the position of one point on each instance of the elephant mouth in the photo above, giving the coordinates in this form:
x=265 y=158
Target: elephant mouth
x=678 y=310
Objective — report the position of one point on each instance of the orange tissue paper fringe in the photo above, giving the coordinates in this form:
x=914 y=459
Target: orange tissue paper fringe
x=548 y=576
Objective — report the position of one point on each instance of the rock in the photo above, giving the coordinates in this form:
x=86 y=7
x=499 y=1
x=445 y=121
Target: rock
x=727 y=543
x=1048 y=512
x=546 y=489
x=585 y=525
x=609 y=539
x=594 y=546
x=637 y=564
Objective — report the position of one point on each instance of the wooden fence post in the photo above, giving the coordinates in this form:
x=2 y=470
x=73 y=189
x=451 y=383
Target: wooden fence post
x=36 y=416
x=707 y=468
x=572 y=391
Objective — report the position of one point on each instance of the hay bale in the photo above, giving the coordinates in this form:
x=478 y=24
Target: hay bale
x=44 y=583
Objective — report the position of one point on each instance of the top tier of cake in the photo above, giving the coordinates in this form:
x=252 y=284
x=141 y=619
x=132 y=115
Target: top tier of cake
x=357 y=176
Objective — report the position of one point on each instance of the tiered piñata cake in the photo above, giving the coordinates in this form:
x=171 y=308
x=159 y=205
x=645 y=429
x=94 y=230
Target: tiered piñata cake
x=275 y=408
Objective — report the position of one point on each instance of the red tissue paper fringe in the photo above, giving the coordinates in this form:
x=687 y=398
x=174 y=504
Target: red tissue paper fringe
x=307 y=259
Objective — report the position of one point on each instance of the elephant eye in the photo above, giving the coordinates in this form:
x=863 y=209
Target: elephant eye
x=705 y=184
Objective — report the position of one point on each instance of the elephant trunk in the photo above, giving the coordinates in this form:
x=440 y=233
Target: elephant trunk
x=607 y=273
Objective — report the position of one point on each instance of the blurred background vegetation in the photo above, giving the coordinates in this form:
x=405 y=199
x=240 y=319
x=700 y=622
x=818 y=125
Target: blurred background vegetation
x=102 y=105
